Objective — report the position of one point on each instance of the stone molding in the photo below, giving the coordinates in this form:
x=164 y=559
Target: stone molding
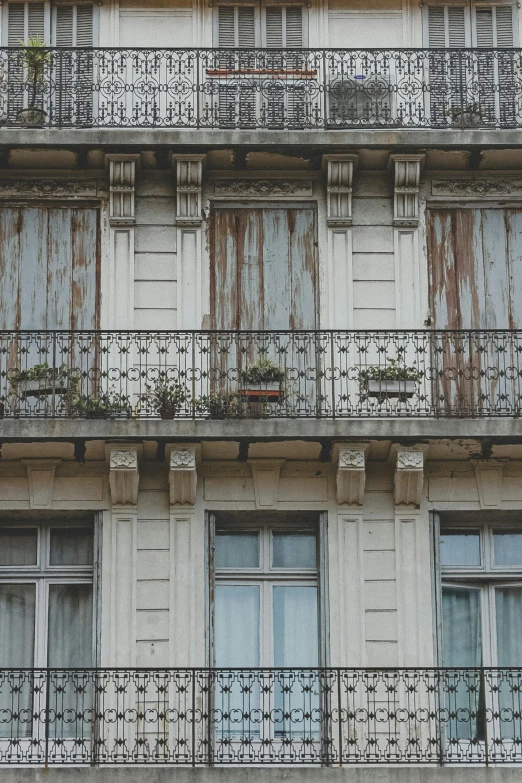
x=182 y=459
x=406 y=175
x=124 y=477
x=40 y=480
x=265 y=474
x=189 y=183
x=263 y=188
x=490 y=476
x=477 y=188
x=409 y=476
x=351 y=474
x=50 y=188
x=122 y=178
x=339 y=181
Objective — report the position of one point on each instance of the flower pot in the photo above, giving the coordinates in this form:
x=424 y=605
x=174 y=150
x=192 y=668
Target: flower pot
x=388 y=387
x=468 y=119
x=263 y=392
x=167 y=413
x=40 y=387
x=32 y=118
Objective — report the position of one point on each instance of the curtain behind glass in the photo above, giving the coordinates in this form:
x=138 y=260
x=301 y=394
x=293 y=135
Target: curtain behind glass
x=70 y=646
x=17 y=629
x=508 y=606
x=462 y=646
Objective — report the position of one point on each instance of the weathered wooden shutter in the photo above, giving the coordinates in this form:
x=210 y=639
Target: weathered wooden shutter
x=496 y=77
x=74 y=28
x=236 y=30
x=24 y=21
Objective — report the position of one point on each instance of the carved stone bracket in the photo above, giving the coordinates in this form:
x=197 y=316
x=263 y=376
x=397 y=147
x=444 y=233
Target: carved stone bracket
x=183 y=473
x=40 y=479
x=265 y=473
x=124 y=476
x=339 y=179
x=189 y=183
x=490 y=475
x=406 y=169
x=409 y=476
x=351 y=474
x=122 y=174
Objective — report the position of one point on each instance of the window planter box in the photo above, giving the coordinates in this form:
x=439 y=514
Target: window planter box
x=263 y=392
x=40 y=387
x=386 y=387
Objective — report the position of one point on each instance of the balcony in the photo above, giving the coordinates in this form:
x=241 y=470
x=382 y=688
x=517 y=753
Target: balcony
x=319 y=716
x=263 y=89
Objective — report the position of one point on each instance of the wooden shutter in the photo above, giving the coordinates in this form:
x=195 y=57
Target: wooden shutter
x=284 y=27
x=236 y=95
x=496 y=76
x=74 y=28
x=446 y=30
x=446 y=27
x=24 y=21
x=236 y=26
x=246 y=27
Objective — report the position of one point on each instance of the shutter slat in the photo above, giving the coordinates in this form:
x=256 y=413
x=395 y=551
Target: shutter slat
x=456 y=27
x=294 y=26
x=227 y=38
x=64 y=25
x=484 y=22
x=36 y=20
x=16 y=24
x=436 y=27
x=274 y=27
x=504 y=20
x=246 y=27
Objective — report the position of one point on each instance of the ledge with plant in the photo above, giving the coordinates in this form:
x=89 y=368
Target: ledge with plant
x=393 y=379
x=167 y=398
x=106 y=406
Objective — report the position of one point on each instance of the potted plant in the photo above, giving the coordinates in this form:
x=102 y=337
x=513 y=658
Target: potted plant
x=263 y=381
x=41 y=380
x=105 y=406
x=392 y=380
x=167 y=398
x=34 y=57
x=468 y=115
x=219 y=405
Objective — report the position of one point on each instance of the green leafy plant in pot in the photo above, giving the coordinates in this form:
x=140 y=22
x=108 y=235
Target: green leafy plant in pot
x=219 y=405
x=167 y=398
x=105 y=406
x=34 y=57
x=263 y=381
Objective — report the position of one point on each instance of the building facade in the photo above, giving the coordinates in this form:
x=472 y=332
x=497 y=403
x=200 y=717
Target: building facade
x=260 y=389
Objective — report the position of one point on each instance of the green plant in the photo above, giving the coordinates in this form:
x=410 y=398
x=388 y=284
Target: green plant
x=35 y=55
x=263 y=370
x=455 y=112
x=218 y=405
x=110 y=404
x=167 y=397
x=393 y=370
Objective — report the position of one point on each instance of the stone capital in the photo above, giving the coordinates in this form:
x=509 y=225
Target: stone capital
x=124 y=475
x=182 y=460
x=351 y=473
x=409 y=475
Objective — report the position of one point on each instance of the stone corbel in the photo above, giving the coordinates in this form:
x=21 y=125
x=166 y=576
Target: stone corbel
x=406 y=170
x=409 y=476
x=40 y=479
x=339 y=179
x=122 y=177
x=189 y=183
x=351 y=474
x=183 y=473
x=124 y=477
x=265 y=473
x=490 y=475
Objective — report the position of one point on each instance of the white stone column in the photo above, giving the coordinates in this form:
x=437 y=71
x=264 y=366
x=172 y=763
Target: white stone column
x=122 y=173
x=339 y=179
x=408 y=280
x=189 y=219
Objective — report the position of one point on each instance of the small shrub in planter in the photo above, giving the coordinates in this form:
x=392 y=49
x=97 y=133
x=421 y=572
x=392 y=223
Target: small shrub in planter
x=468 y=116
x=35 y=57
x=394 y=380
x=219 y=405
x=263 y=381
x=167 y=398
x=41 y=380
x=106 y=406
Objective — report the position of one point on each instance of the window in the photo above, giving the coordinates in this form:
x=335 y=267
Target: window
x=266 y=615
x=481 y=611
x=251 y=26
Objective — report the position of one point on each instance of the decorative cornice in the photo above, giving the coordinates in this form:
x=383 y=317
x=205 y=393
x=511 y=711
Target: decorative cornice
x=49 y=188
x=263 y=188
x=476 y=188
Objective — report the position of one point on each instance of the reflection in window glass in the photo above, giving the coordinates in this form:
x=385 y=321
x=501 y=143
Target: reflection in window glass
x=71 y=547
x=236 y=625
x=237 y=550
x=70 y=626
x=18 y=547
x=460 y=549
x=508 y=605
x=508 y=548
x=294 y=550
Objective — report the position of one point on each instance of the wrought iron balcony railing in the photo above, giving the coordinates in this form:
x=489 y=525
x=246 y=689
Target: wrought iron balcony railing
x=198 y=717
x=263 y=88
x=233 y=375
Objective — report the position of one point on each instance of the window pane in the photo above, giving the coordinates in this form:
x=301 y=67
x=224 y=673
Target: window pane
x=508 y=602
x=508 y=548
x=295 y=626
x=18 y=547
x=236 y=625
x=294 y=550
x=460 y=549
x=71 y=547
x=17 y=615
x=70 y=625
x=461 y=627
x=237 y=550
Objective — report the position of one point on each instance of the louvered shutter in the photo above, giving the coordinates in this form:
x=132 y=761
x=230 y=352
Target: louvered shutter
x=236 y=92
x=294 y=27
x=496 y=76
x=24 y=21
x=446 y=30
x=74 y=68
x=446 y=27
